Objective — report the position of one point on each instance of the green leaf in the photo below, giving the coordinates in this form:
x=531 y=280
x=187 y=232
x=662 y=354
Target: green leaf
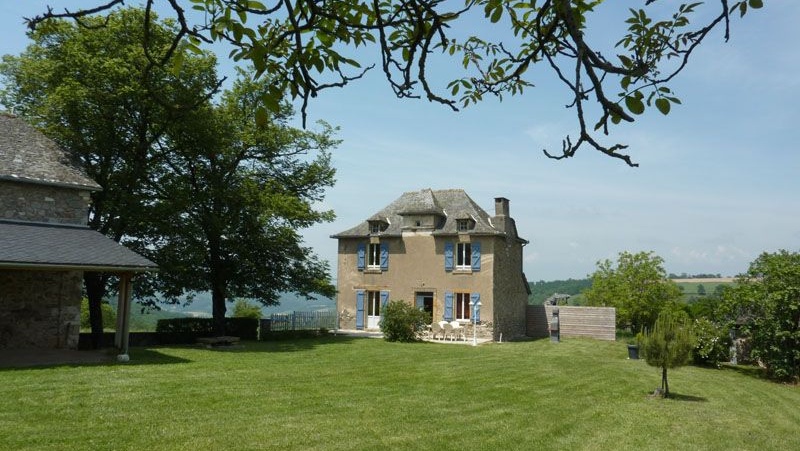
x=496 y=14
x=634 y=104
x=663 y=105
x=756 y=4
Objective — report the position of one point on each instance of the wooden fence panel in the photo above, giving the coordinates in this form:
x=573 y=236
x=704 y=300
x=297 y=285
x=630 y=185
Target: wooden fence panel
x=592 y=322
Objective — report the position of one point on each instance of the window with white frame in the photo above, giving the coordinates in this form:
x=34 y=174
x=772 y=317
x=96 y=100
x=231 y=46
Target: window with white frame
x=374 y=256
x=462 y=307
x=463 y=225
x=464 y=256
x=374 y=303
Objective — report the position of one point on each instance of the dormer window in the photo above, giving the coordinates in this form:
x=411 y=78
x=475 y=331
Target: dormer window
x=464 y=225
x=376 y=227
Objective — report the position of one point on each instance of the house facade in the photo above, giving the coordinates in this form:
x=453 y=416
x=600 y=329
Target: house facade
x=45 y=244
x=440 y=251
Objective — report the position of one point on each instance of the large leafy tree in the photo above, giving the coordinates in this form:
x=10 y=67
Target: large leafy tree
x=307 y=46
x=230 y=201
x=766 y=302
x=101 y=95
x=637 y=287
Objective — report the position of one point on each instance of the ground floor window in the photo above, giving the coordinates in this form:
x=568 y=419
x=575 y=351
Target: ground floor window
x=462 y=311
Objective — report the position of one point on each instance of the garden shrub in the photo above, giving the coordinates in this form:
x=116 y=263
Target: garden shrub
x=402 y=321
x=245 y=309
x=713 y=343
x=109 y=315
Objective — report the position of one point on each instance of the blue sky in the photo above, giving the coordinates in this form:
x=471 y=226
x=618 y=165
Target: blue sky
x=718 y=182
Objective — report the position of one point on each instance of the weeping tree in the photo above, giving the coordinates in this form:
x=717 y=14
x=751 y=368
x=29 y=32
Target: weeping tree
x=669 y=344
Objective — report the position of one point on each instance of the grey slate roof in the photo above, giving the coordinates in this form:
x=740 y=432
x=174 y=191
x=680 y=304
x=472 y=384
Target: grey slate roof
x=34 y=245
x=450 y=205
x=26 y=155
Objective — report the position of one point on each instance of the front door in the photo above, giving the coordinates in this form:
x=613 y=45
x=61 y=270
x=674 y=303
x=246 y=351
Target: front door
x=373 y=309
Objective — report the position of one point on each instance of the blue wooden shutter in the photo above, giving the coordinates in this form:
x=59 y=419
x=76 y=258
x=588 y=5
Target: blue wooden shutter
x=474 y=298
x=384 y=300
x=384 y=256
x=359 y=309
x=362 y=254
x=448 y=256
x=476 y=256
x=448 y=306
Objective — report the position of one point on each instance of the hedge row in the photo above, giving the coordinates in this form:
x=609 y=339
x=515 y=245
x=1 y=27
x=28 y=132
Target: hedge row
x=188 y=330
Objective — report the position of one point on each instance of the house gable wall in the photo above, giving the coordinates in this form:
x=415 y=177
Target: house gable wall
x=43 y=203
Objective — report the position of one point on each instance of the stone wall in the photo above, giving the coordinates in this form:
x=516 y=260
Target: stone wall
x=43 y=203
x=40 y=309
x=510 y=296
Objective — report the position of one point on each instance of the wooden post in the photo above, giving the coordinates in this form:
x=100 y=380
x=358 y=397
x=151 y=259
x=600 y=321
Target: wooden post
x=121 y=338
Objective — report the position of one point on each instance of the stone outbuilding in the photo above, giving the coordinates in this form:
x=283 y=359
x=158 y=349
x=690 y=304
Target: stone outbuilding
x=45 y=244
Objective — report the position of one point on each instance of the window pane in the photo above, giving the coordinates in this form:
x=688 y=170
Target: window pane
x=464 y=255
x=374 y=255
x=373 y=303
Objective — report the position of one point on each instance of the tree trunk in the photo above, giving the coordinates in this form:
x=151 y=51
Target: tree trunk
x=218 y=309
x=95 y=284
x=664 y=384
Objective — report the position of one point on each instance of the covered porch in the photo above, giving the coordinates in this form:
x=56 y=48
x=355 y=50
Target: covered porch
x=41 y=268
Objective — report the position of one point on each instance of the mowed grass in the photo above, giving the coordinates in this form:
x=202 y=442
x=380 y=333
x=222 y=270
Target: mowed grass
x=357 y=393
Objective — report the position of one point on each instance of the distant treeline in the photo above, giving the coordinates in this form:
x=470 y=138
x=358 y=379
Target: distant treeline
x=683 y=275
x=542 y=290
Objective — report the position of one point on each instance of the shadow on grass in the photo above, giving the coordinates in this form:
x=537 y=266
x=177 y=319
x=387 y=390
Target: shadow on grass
x=689 y=398
x=31 y=360
x=752 y=371
x=286 y=345
x=676 y=397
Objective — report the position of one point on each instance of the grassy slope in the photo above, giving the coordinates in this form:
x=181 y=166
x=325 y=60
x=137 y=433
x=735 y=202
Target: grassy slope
x=347 y=393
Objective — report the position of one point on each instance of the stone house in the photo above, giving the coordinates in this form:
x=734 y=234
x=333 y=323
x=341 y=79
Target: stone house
x=439 y=250
x=45 y=244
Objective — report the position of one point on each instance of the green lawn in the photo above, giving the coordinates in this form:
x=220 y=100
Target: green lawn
x=357 y=393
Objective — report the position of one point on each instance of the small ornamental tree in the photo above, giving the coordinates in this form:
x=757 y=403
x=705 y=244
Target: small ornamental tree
x=669 y=344
x=402 y=321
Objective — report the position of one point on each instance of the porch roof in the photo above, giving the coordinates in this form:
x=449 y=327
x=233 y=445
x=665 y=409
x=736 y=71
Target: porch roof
x=45 y=246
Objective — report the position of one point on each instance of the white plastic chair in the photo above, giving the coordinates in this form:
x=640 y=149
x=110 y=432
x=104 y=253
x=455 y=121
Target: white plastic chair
x=436 y=330
x=458 y=330
x=448 y=330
